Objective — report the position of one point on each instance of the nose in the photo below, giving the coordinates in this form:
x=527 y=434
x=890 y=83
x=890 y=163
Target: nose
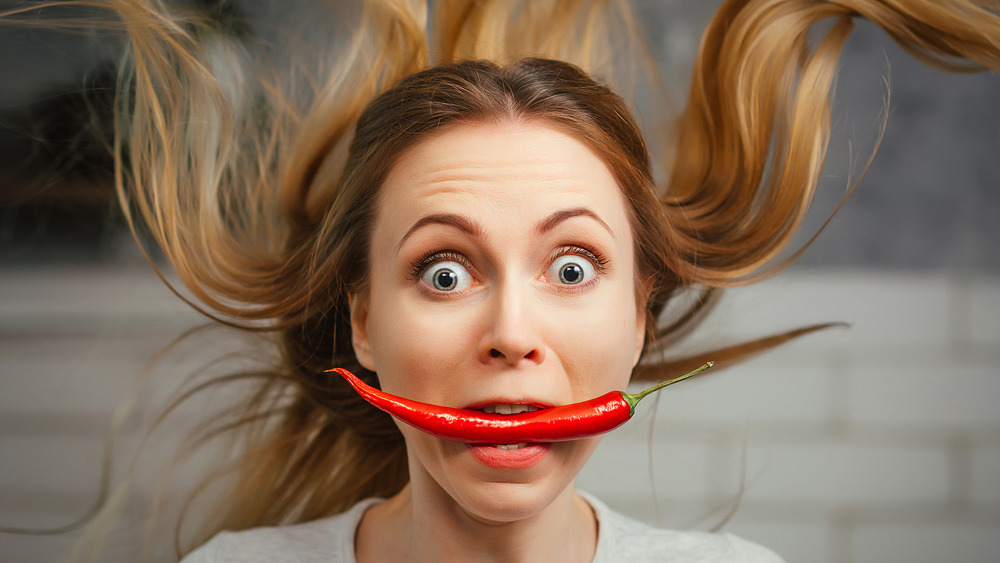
x=511 y=336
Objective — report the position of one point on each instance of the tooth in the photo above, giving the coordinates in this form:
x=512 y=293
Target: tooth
x=505 y=408
x=508 y=447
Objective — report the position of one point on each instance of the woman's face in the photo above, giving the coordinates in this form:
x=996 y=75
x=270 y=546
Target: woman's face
x=502 y=273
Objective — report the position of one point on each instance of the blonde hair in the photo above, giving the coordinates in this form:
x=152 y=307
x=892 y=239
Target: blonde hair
x=255 y=192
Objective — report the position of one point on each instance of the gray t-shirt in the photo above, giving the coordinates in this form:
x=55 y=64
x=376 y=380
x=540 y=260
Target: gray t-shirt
x=331 y=540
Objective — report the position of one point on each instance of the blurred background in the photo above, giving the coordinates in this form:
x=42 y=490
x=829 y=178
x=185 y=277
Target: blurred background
x=878 y=441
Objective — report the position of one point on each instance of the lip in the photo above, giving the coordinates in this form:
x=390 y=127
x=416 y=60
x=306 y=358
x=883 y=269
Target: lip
x=509 y=460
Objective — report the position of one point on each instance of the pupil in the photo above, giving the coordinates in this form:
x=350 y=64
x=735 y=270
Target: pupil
x=445 y=279
x=570 y=273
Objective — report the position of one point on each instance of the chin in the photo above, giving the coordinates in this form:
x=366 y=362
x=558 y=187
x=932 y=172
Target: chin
x=498 y=495
x=503 y=503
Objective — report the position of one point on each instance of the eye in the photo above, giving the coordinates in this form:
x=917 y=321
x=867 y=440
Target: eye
x=447 y=276
x=571 y=269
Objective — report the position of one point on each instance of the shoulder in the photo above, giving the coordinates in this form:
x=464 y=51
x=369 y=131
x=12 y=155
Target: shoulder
x=621 y=538
x=328 y=540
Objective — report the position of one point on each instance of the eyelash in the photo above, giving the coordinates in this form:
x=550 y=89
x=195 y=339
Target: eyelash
x=427 y=259
x=418 y=266
x=599 y=261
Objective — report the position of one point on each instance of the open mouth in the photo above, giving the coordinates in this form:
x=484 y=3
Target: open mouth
x=509 y=409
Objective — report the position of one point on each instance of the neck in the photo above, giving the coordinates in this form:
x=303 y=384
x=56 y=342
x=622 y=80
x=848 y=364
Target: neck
x=416 y=527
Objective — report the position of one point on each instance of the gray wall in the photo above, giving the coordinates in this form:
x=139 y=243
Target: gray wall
x=930 y=201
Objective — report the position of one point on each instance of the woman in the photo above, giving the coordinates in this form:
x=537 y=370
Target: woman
x=476 y=235
x=501 y=272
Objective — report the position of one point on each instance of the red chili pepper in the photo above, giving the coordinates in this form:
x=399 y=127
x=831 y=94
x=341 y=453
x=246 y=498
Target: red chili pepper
x=556 y=424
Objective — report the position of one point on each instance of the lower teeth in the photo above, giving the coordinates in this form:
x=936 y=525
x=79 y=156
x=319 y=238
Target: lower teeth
x=511 y=446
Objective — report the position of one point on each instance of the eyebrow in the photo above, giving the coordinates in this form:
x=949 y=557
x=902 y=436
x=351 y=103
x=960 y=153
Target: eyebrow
x=552 y=221
x=461 y=223
x=472 y=228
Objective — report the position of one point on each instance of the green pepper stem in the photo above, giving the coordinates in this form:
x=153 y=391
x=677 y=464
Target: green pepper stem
x=634 y=398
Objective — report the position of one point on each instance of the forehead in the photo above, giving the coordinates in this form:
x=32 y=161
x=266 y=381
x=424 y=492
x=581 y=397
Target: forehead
x=500 y=165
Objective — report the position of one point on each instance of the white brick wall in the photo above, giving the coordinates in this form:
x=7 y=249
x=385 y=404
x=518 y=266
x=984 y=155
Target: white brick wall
x=984 y=475
x=878 y=442
x=981 y=308
x=940 y=539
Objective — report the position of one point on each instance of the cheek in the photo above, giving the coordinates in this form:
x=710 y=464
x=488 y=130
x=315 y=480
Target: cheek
x=600 y=343
x=416 y=347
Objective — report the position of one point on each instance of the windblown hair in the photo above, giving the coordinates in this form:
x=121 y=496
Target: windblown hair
x=262 y=196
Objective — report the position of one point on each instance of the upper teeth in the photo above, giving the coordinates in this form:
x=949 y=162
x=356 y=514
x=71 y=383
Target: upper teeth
x=509 y=409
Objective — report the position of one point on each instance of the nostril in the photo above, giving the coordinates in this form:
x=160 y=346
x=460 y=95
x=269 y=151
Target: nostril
x=494 y=353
